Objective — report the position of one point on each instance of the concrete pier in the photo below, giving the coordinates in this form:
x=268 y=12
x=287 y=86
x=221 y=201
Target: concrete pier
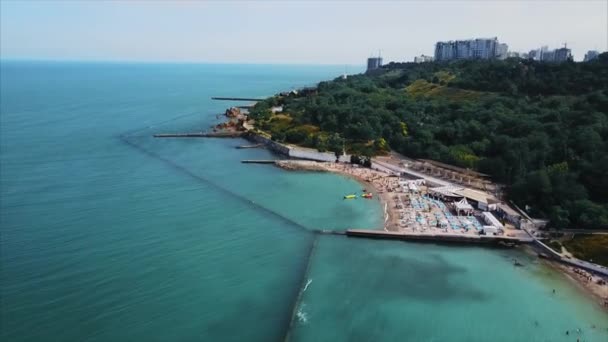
x=447 y=237
x=235 y=99
x=200 y=135
x=249 y=161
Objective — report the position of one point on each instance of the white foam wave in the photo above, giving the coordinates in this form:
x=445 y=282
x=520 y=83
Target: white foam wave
x=306 y=286
x=302 y=316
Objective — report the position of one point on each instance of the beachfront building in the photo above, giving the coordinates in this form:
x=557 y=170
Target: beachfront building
x=507 y=213
x=481 y=200
x=411 y=185
x=463 y=207
x=413 y=188
x=444 y=193
x=491 y=220
x=490 y=230
x=417 y=181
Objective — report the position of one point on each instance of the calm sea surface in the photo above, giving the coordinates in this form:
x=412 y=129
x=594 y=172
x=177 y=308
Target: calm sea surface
x=110 y=235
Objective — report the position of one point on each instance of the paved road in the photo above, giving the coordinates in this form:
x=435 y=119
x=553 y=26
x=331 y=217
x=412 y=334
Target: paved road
x=389 y=168
x=581 y=231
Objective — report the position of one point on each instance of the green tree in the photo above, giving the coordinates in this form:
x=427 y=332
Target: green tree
x=539 y=128
x=559 y=217
x=335 y=144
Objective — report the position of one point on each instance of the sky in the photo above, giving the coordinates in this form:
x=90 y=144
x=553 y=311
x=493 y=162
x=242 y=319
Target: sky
x=298 y=32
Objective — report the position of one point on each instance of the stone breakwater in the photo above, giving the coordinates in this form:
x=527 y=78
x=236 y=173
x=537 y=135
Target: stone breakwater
x=301 y=165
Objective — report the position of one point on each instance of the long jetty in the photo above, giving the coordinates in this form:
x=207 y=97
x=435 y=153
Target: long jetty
x=236 y=99
x=200 y=135
x=250 y=161
x=477 y=239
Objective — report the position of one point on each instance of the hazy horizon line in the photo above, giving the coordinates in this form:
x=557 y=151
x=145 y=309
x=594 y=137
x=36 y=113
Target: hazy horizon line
x=160 y=61
x=133 y=61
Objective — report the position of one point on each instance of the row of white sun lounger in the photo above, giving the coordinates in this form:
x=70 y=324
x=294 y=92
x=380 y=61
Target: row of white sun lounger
x=413 y=218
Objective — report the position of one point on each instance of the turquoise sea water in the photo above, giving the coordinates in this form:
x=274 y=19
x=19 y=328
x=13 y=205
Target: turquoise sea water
x=110 y=235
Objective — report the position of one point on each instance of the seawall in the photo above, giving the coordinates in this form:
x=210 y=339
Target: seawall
x=294 y=151
x=587 y=266
x=458 y=238
x=268 y=143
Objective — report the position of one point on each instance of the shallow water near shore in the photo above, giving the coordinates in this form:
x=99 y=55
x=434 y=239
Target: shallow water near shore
x=428 y=292
x=110 y=235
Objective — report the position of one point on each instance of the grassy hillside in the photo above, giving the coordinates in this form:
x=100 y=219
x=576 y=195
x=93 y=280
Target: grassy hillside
x=540 y=128
x=592 y=248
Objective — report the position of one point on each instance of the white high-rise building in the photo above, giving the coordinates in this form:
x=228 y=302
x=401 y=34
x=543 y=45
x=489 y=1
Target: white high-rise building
x=480 y=48
x=535 y=54
x=502 y=51
x=374 y=63
x=591 y=55
x=562 y=54
x=423 y=59
x=545 y=55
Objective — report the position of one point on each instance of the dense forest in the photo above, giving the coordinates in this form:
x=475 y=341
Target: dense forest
x=539 y=128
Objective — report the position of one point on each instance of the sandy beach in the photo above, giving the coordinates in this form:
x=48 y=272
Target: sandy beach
x=379 y=183
x=406 y=210
x=587 y=282
x=387 y=190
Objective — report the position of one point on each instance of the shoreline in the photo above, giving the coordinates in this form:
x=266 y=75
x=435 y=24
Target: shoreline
x=578 y=278
x=597 y=293
x=370 y=179
x=389 y=221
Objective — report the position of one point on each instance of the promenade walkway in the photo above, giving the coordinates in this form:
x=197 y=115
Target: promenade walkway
x=591 y=267
x=390 y=168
